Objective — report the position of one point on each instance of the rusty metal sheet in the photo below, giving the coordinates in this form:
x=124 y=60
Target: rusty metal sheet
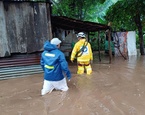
x=4 y=49
x=26 y=27
x=40 y=28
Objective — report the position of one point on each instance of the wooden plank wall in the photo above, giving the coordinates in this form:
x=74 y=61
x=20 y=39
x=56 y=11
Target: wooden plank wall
x=24 y=27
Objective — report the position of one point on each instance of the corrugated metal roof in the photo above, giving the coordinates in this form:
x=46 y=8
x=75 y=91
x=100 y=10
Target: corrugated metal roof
x=77 y=25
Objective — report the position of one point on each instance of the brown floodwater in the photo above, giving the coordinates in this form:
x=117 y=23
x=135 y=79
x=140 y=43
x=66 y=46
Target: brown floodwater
x=113 y=89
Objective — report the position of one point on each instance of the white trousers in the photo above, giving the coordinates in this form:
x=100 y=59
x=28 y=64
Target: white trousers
x=48 y=86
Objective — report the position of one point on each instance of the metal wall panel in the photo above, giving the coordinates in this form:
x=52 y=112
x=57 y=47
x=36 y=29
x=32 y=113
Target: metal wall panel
x=24 y=27
x=4 y=47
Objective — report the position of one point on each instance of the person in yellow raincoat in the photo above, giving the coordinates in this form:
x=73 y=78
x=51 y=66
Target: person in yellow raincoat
x=82 y=51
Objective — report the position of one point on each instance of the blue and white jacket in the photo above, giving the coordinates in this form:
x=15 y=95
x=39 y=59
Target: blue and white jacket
x=53 y=63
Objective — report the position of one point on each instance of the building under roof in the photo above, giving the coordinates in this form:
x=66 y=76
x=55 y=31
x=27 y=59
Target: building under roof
x=66 y=23
x=77 y=25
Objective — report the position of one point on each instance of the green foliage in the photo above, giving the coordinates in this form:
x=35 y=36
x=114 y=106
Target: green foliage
x=129 y=15
x=73 y=8
x=94 y=41
x=122 y=14
x=88 y=10
x=137 y=41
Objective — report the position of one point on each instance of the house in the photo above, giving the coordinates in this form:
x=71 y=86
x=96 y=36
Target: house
x=25 y=26
x=66 y=29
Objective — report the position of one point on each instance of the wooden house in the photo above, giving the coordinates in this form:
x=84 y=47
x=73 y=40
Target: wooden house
x=25 y=26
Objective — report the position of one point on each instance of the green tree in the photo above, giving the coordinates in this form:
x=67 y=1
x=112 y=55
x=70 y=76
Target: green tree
x=88 y=10
x=78 y=9
x=128 y=15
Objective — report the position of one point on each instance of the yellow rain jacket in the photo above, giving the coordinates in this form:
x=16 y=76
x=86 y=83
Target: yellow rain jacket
x=84 y=56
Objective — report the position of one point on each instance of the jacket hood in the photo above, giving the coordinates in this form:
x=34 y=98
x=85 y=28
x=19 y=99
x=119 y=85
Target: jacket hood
x=48 y=46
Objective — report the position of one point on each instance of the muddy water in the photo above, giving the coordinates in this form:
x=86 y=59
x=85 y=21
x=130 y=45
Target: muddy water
x=112 y=89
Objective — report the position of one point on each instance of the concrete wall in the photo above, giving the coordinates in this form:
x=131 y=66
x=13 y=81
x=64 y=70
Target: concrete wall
x=24 y=27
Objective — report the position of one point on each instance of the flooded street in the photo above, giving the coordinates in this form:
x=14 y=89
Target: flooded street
x=112 y=89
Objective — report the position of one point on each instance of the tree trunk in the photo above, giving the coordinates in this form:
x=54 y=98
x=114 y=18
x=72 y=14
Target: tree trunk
x=139 y=26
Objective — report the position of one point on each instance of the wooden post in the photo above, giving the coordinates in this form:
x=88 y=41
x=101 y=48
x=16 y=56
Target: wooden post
x=49 y=20
x=109 y=45
x=99 y=46
x=88 y=37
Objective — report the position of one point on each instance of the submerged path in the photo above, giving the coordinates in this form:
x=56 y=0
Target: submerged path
x=112 y=89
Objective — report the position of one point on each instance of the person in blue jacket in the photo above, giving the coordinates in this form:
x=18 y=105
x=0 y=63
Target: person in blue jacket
x=55 y=67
